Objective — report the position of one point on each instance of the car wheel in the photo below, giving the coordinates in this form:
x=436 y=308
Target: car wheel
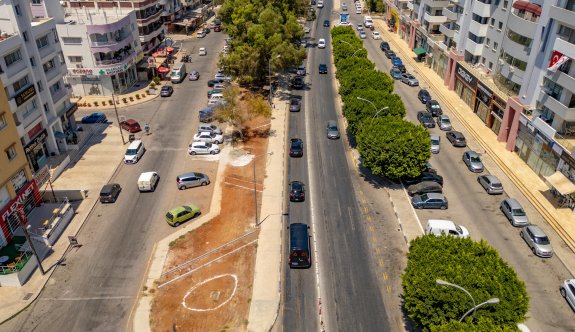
x=182 y=187
x=193 y=153
x=522 y=236
x=443 y=207
x=212 y=152
x=534 y=251
x=420 y=207
x=177 y=224
x=563 y=292
x=217 y=142
x=204 y=183
x=196 y=214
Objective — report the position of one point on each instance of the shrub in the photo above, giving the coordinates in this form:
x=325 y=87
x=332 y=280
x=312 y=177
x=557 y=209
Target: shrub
x=110 y=102
x=131 y=98
x=96 y=103
x=157 y=80
x=137 y=96
x=125 y=100
x=152 y=85
x=104 y=103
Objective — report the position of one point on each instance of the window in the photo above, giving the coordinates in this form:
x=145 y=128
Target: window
x=505 y=4
x=30 y=108
x=11 y=152
x=479 y=19
x=492 y=22
x=74 y=58
x=72 y=40
x=18 y=85
x=46 y=108
x=25 y=35
x=32 y=62
x=500 y=25
x=3 y=123
x=495 y=46
x=518 y=38
x=49 y=65
x=40 y=87
x=36 y=2
x=55 y=88
x=42 y=42
x=487 y=42
x=13 y=57
x=490 y=65
x=18 y=10
x=482 y=60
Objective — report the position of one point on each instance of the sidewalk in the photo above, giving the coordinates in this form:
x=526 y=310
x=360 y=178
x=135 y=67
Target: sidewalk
x=562 y=221
x=101 y=160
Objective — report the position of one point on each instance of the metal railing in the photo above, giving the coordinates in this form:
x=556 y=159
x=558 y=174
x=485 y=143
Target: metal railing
x=14 y=267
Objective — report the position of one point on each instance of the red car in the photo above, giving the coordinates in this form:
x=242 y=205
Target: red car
x=217 y=28
x=131 y=126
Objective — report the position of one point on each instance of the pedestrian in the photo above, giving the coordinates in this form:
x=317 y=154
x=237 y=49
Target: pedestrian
x=147 y=129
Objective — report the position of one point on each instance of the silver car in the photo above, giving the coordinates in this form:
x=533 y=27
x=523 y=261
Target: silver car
x=192 y=179
x=331 y=130
x=491 y=184
x=203 y=148
x=568 y=292
x=472 y=161
x=514 y=212
x=434 y=143
x=210 y=128
x=537 y=240
x=444 y=123
x=409 y=79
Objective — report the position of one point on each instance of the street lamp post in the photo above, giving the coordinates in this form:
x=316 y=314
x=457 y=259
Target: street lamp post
x=474 y=308
x=118 y=118
x=353 y=54
x=23 y=223
x=375 y=108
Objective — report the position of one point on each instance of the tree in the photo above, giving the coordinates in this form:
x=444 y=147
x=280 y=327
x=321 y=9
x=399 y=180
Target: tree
x=365 y=79
x=356 y=110
x=392 y=147
x=475 y=266
x=351 y=64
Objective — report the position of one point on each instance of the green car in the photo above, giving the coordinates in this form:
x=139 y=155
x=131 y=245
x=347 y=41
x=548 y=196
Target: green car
x=182 y=213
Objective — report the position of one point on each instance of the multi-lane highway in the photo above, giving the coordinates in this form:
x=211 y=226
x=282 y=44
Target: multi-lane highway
x=99 y=283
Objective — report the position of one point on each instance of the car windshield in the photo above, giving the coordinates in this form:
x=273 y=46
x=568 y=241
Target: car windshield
x=445 y=120
x=169 y=216
x=518 y=212
x=434 y=142
x=131 y=152
x=334 y=127
x=424 y=197
x=475 y=159
x=541 y=240
x=434 y=105
x=208 y=145
x=458 y=229
x=296 y=186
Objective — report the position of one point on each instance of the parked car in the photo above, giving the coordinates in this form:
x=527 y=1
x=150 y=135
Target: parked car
x=423 y=96
x=425 y=119
x=191 y=179
x=214 y=91
x=201 y=34
x=433 y=107
x=131 y=126
x=389 y=54
x=362 y=34
x=384 y=46
x=194 y=75
x=323 y=68
x=306 y=29
x=110 y=193
x=210 y=128
x=491 y=184
x=435 y=139
x=443 y=122
x=514 y=212
x=206 y=30
x=472 y=161
x=424 y=176
x=217 y=28
x=331 y=130
x=207 y=114
x=296 y=147
x=297 y=191
x=301 y=70
x=209 y=137
x=424 y=187
x=321 y=43
x=409 y=79
x=166 y=91
x=401 y=68
x=297 y=82
x=567 y=290
x=429 y=201
x=359 y=27
x=295 y=104
x=97 y=117
x=222 y=77
x=203 y=148
x=395 y=73
x=326 y=23
x=376 y=35
x=456 y=138
x=537 y=240
x=396 y=61
x=182 y=213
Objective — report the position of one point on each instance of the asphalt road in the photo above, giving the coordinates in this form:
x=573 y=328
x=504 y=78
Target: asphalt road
x=472 y=207
x=350 y=292
x=97 y=287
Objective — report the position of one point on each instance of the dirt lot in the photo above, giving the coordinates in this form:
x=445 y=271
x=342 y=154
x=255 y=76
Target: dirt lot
x=212 y=291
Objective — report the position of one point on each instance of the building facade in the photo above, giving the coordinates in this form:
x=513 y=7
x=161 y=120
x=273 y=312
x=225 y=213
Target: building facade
x=31 y=69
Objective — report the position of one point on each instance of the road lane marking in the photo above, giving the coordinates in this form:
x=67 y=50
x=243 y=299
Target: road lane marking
x=91 y=298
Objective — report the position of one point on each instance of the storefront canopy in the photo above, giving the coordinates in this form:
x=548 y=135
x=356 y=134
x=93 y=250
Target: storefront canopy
x=419 y=51
x=561 y=183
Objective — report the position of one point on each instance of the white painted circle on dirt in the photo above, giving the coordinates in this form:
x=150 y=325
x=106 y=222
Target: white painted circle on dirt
x=233 y=276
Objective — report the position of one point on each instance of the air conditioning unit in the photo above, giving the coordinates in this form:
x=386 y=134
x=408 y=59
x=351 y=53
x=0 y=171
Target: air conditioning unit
x=511 y=69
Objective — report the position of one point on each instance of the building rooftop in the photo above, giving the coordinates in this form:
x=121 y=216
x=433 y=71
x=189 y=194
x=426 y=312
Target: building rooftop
x=92 y=16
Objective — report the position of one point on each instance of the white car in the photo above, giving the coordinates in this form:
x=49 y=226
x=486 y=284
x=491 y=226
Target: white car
x=568 y=292
x=307 y=29
x=203 y=148
x=222 y=76
x=203 y=51
x=319 y=3
x=376 y=35
x=321 y=43
x=362 y=35
x=210 y=128
x=204 y=136
x=359 y=27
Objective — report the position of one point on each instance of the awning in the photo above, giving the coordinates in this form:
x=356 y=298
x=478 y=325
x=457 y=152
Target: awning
x=561 y=183
x=419 y=51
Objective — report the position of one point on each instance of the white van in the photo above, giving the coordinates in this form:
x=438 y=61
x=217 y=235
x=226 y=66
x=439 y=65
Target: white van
x=439 y=227
x=134 y=152
x=148 y=181
x=319 y=3
x=367 y=22
x=178 y=73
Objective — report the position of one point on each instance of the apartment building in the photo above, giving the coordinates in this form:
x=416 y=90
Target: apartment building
x=31 y=69
x=17 y=185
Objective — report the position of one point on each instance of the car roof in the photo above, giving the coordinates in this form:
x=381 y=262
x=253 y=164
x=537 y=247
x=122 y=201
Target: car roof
x=181 y=208
x=492 y=178
x=536 y=230
x=456 y=133
x=189 y=174
x=513 y=203
x=433 y=136
x=472 y=153
x=130 y=121
x=435 y=195
x=108 y=187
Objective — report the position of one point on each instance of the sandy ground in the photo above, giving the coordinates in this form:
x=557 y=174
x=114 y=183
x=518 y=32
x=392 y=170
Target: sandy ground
x=208 y=286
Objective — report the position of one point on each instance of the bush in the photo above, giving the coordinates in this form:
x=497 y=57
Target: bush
x=152 y=85
x=110 y=102
x=96 y=103
x=137 y=96
x=157 y=80
x=103 y=103
x=131 y=98
x=125 y=100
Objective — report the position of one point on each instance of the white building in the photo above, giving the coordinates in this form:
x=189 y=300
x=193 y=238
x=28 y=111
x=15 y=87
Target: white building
x=31 y=69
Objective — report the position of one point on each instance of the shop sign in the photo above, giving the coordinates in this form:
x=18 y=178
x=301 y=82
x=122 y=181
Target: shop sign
x=81 y=71
x=35 y=130
x=42 y=176
x=100 y=71
x=36 y=141
x=17 y=202
x=465 y=76
x=19 y=180
x=25 y=95
x=484 y=93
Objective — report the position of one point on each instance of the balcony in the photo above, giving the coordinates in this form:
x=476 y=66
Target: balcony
x=115 y=41
x=58 y=95
x=151 y=33
x=436 y=19
x=560 y=13
x=124 y=56
x=561 y=110
x=438 y=3
x=448 y=29
x=150 y=16
x=450 y=14
x=519 y=25
x=564 y=47
x=47 y=50
x=52 y=73
x=473 y=47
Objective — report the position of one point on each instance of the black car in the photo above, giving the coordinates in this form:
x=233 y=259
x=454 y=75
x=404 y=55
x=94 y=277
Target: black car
x=433 y=107
x=424 y=187
x=297 y=82
x=401 y=68
x=322 y=68
x=426 y=119
x=390 y=54
x=166 y=91
x=384 y=46
x=110 y=192
x=297 y=192
x=296 y=148
x=424 y=176
x=206 y=30
x=213 y=82
x=326 y=23
x=456 y=138
x=295 y=104
x=423 y=96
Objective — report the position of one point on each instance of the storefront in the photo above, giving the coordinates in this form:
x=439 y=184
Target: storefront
x=483 y=100
x=420 y=39
x=103 y=81
x=37 y=150
x=439 y=62
x=496 y=116
x=465 y=85
x=404 y=24
x=536 y=148
x=27 y=198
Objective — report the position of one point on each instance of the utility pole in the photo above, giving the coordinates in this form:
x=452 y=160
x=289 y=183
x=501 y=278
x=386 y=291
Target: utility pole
x=23 y=223
x=118 y=118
